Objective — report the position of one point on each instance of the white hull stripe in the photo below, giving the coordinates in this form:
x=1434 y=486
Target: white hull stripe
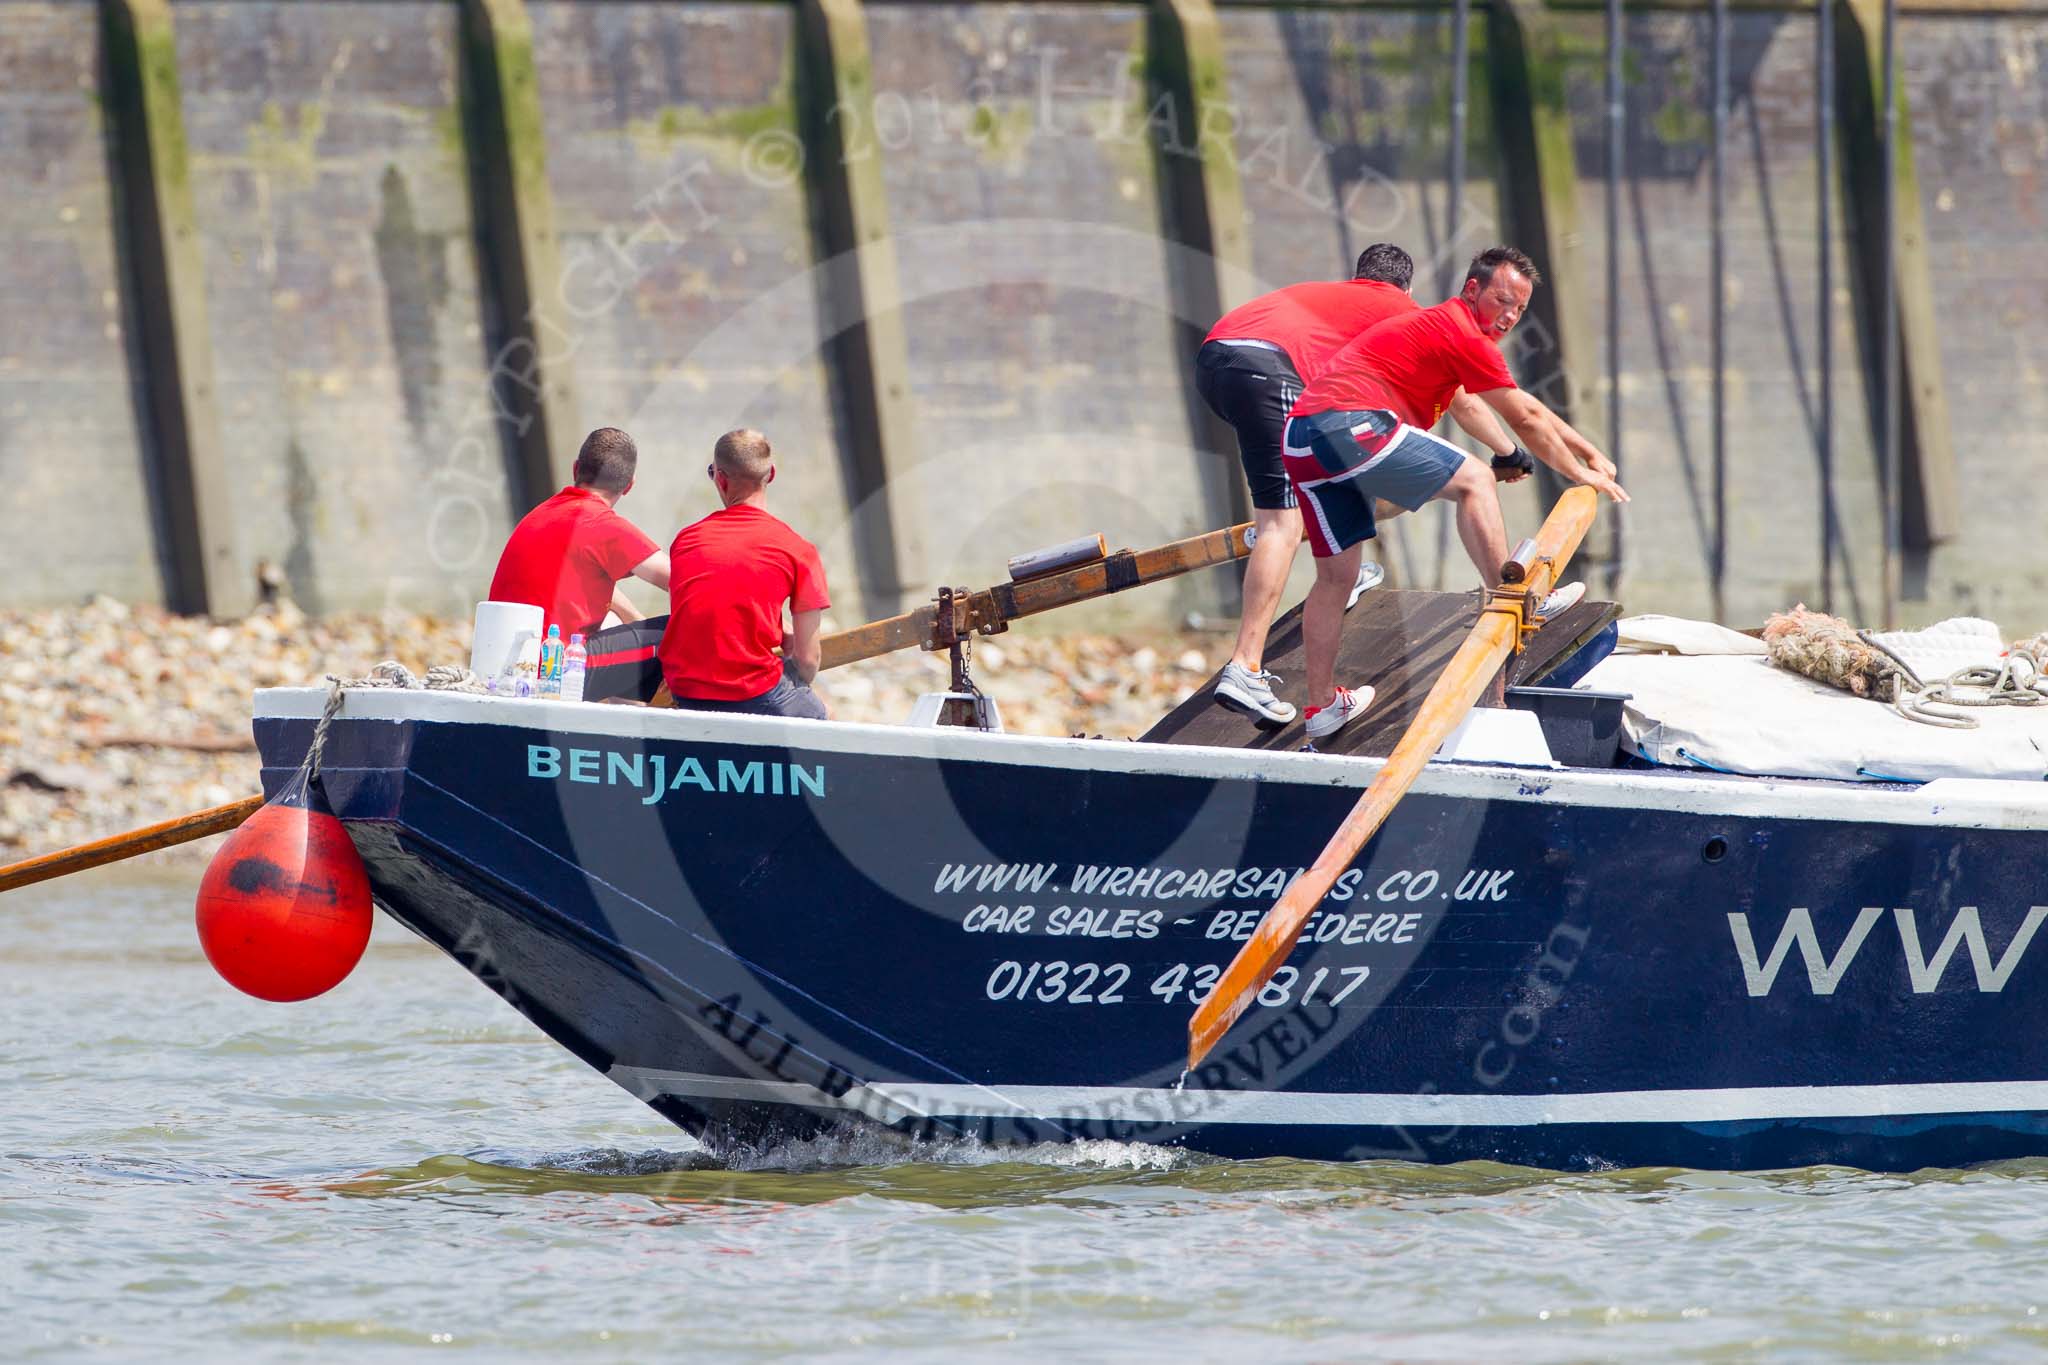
x=1951 y=802
x=891 y=1101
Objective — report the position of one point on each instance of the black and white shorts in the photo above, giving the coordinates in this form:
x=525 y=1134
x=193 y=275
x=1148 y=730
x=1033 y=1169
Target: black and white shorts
x=1252 y=385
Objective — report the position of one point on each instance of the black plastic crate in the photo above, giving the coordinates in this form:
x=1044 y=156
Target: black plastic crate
x=1582 y=727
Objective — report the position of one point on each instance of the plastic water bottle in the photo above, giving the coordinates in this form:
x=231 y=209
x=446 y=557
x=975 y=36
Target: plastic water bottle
x=575 y=664
x=551 y=664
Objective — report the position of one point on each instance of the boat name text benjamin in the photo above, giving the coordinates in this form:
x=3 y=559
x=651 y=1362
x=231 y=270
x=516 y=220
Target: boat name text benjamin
x=649 y=773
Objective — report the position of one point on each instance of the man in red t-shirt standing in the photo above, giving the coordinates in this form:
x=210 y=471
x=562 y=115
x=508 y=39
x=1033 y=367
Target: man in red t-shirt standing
x=1360 y=431
x=1250 y=371
x=730 y=576
x=567 y=555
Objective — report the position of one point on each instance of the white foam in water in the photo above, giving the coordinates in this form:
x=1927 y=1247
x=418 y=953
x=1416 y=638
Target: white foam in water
x=873 y=1147
x=608 y=1161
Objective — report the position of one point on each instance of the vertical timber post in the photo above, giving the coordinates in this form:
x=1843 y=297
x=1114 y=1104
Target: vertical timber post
x=1449 y=281
x=871 y=355
x=1824 y=288
x=167 y=277
x=1204 y=199
x=1617 y=114
x=1717 y=558
x=1540 y=208
x=531 y=377
x=1930 y=507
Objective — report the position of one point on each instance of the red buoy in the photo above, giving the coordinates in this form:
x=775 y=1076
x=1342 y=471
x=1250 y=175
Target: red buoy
x=284 y=907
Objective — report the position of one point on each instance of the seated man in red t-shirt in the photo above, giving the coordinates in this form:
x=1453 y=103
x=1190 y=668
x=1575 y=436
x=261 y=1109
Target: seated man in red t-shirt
x=567 y=555
x=730 y=576
x=1361 y=431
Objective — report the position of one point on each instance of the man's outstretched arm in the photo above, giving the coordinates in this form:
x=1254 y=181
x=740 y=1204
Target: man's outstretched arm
x=653 y=569
x=1477 y=421
x=1584 y=448
x=1545 y=435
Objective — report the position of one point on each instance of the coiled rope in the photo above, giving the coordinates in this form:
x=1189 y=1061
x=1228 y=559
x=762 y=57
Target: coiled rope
x=2020 y=679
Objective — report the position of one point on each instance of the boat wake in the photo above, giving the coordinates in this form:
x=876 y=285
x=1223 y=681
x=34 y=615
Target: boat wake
x=869 y=1147
x=852 y=1149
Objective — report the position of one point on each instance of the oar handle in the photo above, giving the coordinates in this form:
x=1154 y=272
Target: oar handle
x=115 y=847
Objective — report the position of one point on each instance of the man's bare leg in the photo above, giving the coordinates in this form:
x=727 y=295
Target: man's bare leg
x=1265 y=578
x=1322 y=622
x=1472 y=493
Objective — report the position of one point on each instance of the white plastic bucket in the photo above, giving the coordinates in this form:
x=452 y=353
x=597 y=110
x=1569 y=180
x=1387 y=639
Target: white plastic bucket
x=506 y=645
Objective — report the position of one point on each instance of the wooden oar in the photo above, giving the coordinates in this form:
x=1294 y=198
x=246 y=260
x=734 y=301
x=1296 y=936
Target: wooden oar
x=1462 y=683
x=988 y=611
x=136 y=841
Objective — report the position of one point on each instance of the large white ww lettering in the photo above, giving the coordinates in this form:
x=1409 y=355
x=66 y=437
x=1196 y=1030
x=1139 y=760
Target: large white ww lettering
x=1823 y=973
x=1927 y=975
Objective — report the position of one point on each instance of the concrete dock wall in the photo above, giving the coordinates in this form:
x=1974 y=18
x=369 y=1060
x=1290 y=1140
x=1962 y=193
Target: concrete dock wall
x=717 y=180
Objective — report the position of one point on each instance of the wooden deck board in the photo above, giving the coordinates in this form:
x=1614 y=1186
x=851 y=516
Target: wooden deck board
x=1398 y=641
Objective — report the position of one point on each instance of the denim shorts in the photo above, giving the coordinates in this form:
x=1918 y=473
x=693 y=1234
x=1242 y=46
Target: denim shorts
x=787 y=698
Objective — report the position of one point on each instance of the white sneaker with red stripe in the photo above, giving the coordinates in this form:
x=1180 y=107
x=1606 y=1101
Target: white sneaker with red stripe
x=1328 y=720
x=1562 y=600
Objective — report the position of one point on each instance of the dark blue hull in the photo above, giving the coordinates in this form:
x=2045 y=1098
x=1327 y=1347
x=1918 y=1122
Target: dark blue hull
x=768 y=929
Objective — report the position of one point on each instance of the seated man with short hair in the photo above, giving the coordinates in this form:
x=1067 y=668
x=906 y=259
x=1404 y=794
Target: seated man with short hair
x=730 y=576
x=568 y=555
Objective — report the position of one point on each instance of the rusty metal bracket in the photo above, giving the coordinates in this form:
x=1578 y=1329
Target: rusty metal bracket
x=1003 y=597
x=947 y=635
x=946 y=620
x=1519 y=603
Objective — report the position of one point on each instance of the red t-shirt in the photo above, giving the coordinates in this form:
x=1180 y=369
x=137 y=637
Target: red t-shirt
x=729 y=575
x=565 y=556
x=1312 y=321
x=1411 y=365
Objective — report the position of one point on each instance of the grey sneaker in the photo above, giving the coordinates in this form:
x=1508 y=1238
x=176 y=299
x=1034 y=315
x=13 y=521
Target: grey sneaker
x=1328 y=720
x=1252 y=693
x=1561 y=600
x=1370 y=576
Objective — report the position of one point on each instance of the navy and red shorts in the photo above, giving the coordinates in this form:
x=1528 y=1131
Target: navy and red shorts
x=1339 y=462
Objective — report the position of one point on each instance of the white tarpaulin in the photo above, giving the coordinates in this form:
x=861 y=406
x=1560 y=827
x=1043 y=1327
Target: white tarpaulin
x=1676 y=635
x=1741 y=714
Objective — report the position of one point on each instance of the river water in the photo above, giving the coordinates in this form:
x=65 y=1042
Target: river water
x=406 y=1167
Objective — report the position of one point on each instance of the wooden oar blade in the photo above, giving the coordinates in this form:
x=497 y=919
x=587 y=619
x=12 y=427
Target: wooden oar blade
x=1254 y=965
x=1461 y=684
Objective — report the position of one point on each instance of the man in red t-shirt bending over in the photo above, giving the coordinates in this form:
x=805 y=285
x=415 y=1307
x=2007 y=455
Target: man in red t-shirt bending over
x=729 y=577
x=1360 y=431
x=567 y=555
